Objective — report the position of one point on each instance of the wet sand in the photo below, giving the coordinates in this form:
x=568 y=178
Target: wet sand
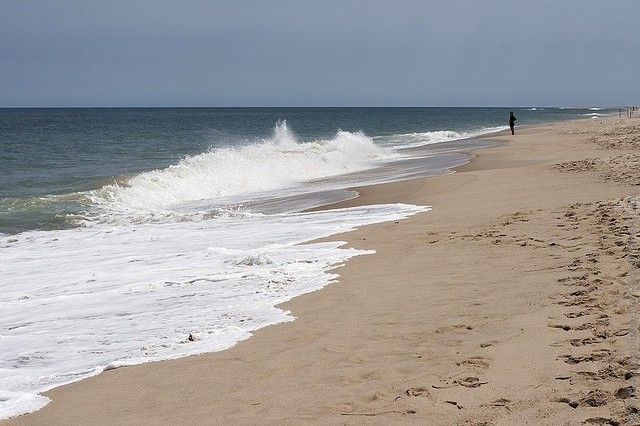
x=510 y=302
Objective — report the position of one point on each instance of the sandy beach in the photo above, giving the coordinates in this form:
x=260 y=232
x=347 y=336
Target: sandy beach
x=512 y=301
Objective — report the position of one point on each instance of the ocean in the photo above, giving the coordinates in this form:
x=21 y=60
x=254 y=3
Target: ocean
x=130 y=235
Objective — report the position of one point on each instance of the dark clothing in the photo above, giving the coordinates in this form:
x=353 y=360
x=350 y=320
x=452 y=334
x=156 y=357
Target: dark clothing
x=512 y=122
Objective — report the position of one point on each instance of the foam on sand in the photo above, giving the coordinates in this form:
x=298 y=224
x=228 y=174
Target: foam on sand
x=79 y=301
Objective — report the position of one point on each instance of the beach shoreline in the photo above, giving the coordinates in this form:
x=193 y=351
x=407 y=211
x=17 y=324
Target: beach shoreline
x=504 y=304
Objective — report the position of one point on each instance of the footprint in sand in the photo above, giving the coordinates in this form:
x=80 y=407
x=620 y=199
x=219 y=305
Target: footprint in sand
x=500 y=402
x=605 y=421
x=470 y=382
x=475 y=362
x=578 y=314
x=564 y=327
x=418 y=391
x=594 y=398
x=595 y=356
x=625 y=392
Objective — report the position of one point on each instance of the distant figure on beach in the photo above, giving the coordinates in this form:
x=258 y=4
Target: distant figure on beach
x=512 y=121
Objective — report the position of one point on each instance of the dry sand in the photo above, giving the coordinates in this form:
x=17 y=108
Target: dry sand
x=510 y=302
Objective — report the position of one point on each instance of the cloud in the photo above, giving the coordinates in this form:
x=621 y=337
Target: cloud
x=316 y=53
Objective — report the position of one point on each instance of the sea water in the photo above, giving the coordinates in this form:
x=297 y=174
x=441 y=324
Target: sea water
x=137 y=235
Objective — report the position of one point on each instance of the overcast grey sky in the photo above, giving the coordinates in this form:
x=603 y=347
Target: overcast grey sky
x=319 y=53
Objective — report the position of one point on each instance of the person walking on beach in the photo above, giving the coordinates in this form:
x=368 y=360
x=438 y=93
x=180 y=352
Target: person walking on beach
x=512 y=121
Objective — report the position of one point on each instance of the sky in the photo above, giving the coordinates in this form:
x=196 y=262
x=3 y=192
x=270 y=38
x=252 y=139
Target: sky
x=62 y=53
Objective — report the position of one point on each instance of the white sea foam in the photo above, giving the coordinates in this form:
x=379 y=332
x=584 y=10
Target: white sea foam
x=79 y=301
x=411 y=140
x=276 y=163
